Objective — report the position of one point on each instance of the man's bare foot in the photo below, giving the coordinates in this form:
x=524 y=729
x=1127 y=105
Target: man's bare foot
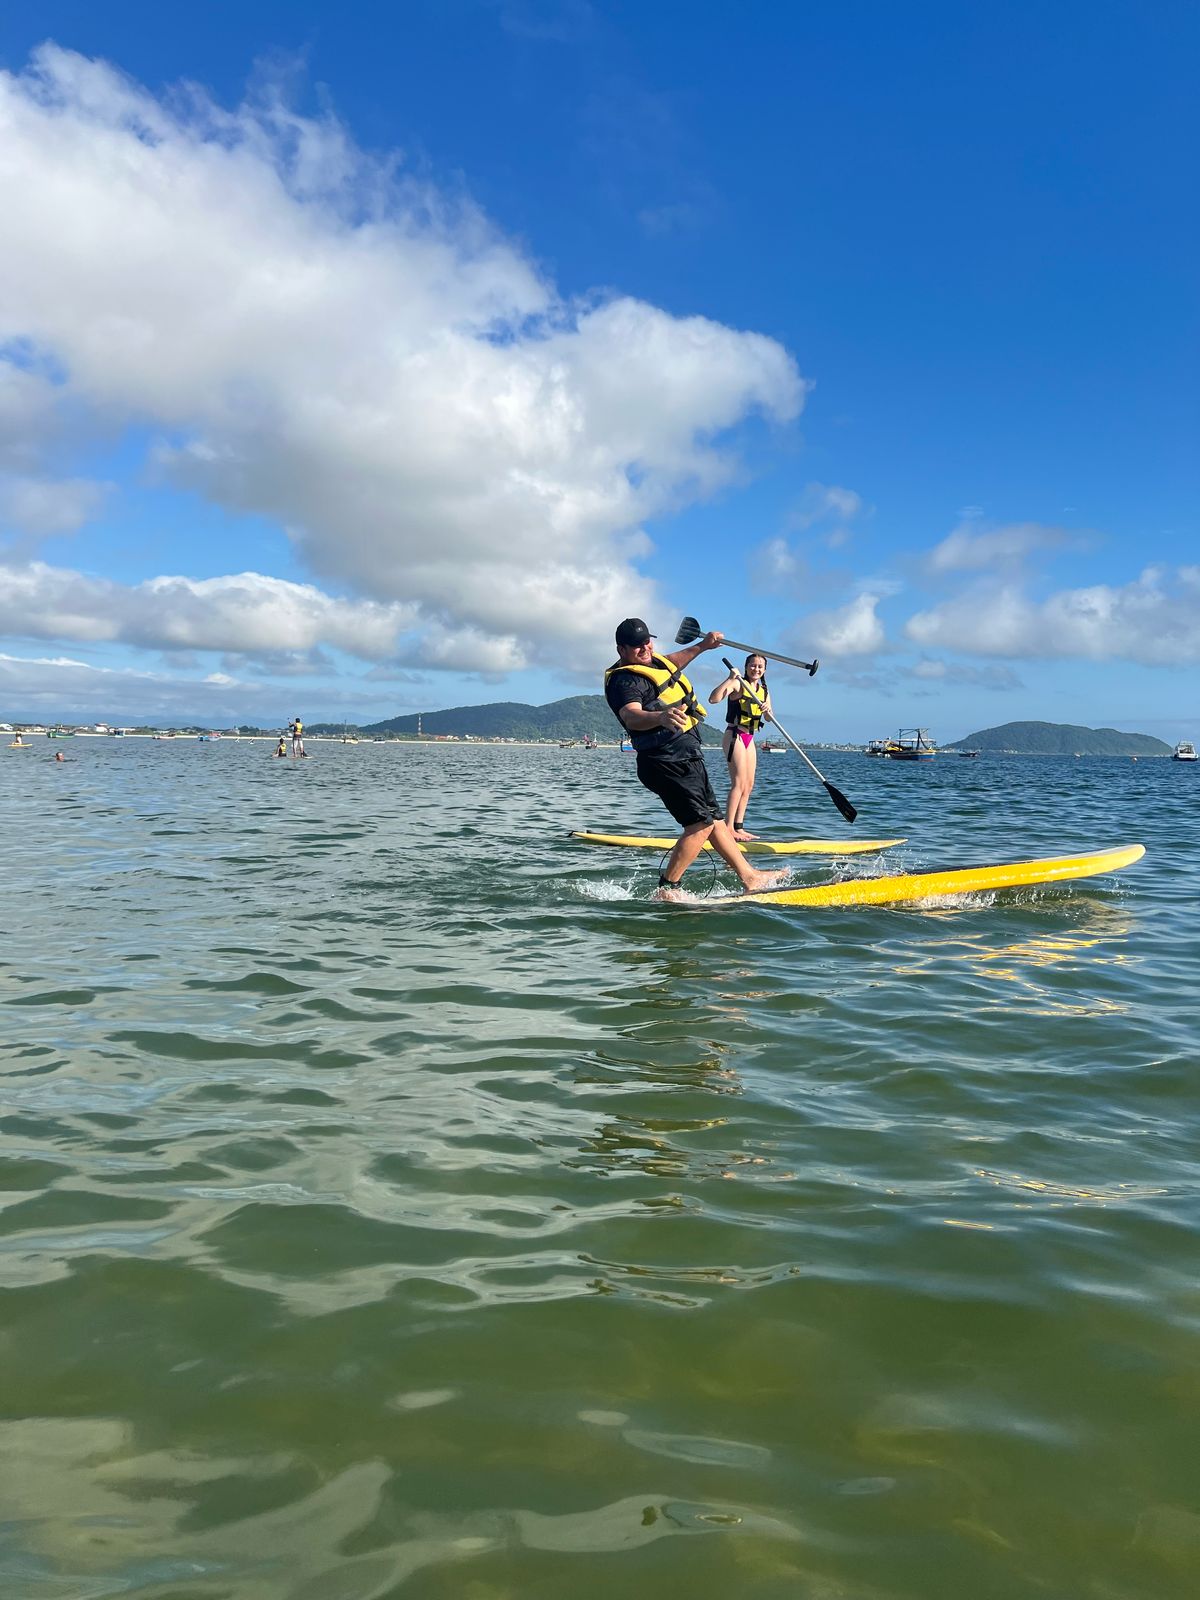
x=673 y=892
x=755 y=882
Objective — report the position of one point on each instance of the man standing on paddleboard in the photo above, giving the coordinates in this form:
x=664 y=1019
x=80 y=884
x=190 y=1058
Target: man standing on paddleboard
x=653 y=700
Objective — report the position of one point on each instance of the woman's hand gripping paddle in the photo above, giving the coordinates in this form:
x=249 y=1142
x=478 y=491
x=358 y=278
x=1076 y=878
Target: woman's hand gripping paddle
x=836 y=795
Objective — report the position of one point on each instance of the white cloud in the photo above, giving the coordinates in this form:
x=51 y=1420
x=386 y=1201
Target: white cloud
x=823 y=514
x=850 y=630
x=1154 y=620
x=932 y=670
x=247 y=613
x=53 y=688
x=823 y=502
x=330 y=346
x=777 y=565
x=968 y=550
x=28 y=418
x=44 y=506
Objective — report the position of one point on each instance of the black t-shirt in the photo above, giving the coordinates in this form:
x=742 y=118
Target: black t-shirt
x=625 y=688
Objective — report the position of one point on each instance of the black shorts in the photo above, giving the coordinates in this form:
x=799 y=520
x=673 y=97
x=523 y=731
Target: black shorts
x=682 y=784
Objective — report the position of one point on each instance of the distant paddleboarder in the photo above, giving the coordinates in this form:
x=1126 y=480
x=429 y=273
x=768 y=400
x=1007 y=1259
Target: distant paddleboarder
x=296 y=729
x=653 y=700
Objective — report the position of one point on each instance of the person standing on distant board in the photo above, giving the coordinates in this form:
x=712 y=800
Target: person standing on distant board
x=653 y=700
x=743 y=718
x=296 y=728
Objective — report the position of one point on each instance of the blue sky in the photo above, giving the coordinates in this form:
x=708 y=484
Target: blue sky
x=367 y=359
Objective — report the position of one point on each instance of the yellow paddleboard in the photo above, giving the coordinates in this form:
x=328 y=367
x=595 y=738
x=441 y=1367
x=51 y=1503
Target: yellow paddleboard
x=783 y=847
x=932 y=885
x=20 y=747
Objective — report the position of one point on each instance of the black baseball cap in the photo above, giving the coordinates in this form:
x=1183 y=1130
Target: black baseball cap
x=633 y=631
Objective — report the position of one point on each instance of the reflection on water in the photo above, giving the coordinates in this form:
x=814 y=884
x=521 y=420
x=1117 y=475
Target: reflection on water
x=1101 y=936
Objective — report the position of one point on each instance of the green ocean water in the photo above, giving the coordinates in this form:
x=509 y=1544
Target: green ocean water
x=397 y=1203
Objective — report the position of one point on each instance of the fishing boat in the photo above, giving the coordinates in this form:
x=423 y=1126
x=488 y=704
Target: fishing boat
x=879 y=747
x=911 y=744
x=968 y=755
x=1185 y=750
x=769 y=749
x=627 y=746
x=60 y=733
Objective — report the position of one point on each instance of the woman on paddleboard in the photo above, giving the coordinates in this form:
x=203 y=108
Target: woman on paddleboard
x=744 y=714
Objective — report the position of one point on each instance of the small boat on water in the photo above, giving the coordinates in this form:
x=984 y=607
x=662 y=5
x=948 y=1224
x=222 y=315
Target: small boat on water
x=769 y=749
x=627 y=746
x=911 y=744
x=1185 y=750
x=968 y=755
x=879 y=747
x=60 y=733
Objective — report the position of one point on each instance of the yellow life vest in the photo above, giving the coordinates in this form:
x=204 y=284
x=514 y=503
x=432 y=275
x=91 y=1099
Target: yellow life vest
x=744 y=713
x=660 y=673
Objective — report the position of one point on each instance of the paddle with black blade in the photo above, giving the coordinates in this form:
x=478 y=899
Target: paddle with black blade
x=690 y=630
x=835 y=794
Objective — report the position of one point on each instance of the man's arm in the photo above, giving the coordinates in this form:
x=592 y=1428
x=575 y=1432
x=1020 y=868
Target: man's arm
x=684 y=658
x=638 y=720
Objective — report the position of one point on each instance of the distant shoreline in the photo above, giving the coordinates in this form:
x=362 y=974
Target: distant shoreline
x=477 y=740
x=31 y=735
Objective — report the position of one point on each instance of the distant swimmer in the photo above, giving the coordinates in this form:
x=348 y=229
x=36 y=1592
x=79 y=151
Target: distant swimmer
x=296 y=729
x=58 y=756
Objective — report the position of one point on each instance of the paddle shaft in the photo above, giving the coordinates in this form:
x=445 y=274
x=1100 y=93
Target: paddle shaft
x=836 y=795
x=771 y=655
x=690 y=630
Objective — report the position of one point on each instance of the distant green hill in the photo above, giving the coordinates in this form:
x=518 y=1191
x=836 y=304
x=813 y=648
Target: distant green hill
x=508 y=719
x=1061 y=739
x=572 y=718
